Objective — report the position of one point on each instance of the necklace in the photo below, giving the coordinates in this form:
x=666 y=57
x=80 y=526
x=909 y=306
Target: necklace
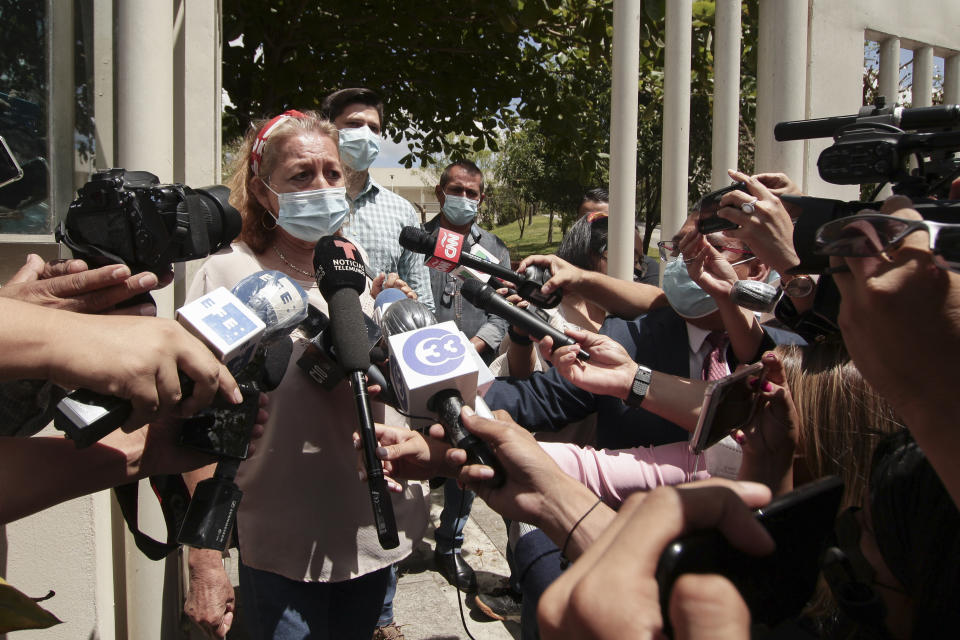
x=290 y=264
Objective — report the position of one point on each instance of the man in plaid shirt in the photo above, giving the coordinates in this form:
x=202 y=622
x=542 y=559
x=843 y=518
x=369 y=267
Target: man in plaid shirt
x=376 y=214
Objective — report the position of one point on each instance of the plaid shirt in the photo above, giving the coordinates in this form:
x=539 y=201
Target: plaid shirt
x=376 y=217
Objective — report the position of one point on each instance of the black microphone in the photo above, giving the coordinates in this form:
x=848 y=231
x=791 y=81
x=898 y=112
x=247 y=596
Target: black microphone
x=484 y=297
x=445 y=252
x=341 y=277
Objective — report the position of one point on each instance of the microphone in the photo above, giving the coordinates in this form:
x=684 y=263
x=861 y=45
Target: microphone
x=431 y=365
x=340 y=275
x=220 y=319
x=445 y=253
x=484 y=297
x=224 y=430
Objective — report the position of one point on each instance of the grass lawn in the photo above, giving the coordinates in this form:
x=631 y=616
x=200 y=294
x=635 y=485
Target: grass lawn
x=534 y=237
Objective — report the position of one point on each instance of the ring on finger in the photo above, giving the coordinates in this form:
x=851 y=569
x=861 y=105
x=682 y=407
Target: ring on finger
x=749 y=207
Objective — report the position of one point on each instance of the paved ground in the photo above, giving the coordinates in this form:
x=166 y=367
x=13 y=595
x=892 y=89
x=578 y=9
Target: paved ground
x=426 y=604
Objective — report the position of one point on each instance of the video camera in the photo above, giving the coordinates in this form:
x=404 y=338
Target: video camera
x=128 y=217
x=874 y=147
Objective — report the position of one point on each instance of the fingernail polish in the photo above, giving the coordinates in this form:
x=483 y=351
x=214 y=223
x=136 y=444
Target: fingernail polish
x=767 y=387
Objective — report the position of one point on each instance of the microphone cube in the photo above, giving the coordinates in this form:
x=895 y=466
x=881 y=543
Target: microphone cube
x=425 y=361
x=230 y=329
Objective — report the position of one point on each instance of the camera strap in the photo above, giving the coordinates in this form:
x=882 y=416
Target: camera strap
x=171 y=492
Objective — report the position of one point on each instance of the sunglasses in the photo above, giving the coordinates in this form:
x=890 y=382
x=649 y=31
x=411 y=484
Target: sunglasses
x=871 y=234
x=670 y=251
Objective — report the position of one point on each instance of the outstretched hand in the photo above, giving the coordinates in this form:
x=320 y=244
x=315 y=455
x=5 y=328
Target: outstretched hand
x=710 y=270
x=408 y=455
x=612 y=591
x=70 y=285
x=563 y=274
x=609 y=371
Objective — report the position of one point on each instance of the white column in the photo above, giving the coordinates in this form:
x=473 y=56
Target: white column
x=623 y=137
x=144 y=99
x=676 y=117
x=923 y=77
x=951 y=79
x=889 y=80
x=726 y=91
x=781 y=84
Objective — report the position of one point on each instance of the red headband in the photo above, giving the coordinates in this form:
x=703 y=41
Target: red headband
x=593 y=216
x=256 y=153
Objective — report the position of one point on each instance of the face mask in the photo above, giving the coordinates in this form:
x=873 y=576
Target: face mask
x=459 y=210
x=310 y=215
x=684 y=295
x=359 y=147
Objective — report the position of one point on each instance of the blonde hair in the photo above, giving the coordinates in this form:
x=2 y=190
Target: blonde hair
x=258 y=223
x=842 y=419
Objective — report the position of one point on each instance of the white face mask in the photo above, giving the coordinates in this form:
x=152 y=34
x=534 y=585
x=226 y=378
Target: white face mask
x=359 y=147
x=310 y=215
x=460 y=210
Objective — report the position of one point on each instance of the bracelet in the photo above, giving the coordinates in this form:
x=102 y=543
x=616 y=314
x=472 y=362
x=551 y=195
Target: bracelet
x=563 y=551
x=517 y=338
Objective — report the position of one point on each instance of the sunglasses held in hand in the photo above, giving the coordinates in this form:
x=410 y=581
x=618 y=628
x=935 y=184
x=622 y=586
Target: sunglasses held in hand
x=871 y=234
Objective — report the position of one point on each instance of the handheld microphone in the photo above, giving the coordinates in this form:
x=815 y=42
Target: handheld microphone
x=432 y=365
x=220 y=319
x=224 y=430
x=755 y=295
x=484 y=297
x=340 y=276
x=445 y=252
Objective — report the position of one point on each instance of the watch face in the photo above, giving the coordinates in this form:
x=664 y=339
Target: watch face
x=799 y=287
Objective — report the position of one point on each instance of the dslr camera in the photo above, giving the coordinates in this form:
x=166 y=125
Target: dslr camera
x=128 y=217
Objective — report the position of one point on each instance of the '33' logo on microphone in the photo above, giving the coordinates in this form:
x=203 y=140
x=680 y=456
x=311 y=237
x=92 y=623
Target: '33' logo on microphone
x=433 y=351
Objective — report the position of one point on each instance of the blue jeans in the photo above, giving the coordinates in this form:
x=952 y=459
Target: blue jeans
x=283 y=609
x=536 y=562
x=453 y=518
x=386 y=612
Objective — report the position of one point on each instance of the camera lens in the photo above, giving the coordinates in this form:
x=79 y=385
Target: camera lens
x=223 y=222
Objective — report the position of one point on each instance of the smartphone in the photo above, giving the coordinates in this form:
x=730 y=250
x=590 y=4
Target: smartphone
x=707 y=219
x=729 y=403
x=10 y=170
x=775 y=587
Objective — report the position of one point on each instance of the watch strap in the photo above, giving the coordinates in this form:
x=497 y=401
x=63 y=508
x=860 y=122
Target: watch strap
x=640 y=386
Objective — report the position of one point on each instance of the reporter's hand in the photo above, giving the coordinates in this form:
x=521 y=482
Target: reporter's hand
x=531 y=476
x=707 y=268
x=137 y=359
x=769 y=443
x=778 y=184
x=391 y=281
x=71 y=286
x=408 y=455
x=210 y=598
x=612 y=591
x=563 y=274
x=610 y=370
x=768 y=231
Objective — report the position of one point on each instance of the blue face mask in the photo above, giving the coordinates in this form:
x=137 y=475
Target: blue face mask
x=459 y=210
x=684 y=295
x=359 y=147
x=310 y=215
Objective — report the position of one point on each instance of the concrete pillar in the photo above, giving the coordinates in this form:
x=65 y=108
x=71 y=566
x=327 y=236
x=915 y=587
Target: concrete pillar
x=889 y=81
x=923 y=77
x=144 y=141
x=951 y=79
x=781 y=84
x=676 y=117
x=726 y=91
x=623 y=137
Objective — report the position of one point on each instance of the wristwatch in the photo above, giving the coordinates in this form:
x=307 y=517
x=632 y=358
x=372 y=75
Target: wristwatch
x=641 y=383
x=797 y=286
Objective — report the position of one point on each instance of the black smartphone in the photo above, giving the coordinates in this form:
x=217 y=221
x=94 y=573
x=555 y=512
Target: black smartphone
x=707 y=219
x=10 y=170
x=729 y=403
x=777 y=586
